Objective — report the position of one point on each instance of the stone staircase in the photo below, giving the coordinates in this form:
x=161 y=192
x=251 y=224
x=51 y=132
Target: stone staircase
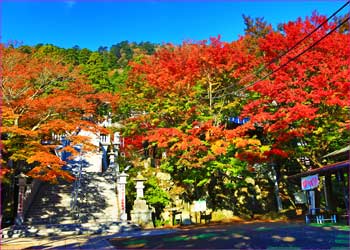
x=53 y=212
x=51 y=205
x=97 y=200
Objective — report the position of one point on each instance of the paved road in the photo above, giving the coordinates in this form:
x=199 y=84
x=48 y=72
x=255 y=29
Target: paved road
x=221 y=236
x=244 y=236
x=94 y=241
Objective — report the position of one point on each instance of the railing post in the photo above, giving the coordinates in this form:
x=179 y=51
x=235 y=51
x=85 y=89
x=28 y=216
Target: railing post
x=22 y=181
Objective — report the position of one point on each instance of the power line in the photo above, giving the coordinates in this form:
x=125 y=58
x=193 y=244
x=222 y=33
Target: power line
x=296 y=44
x=290 y=60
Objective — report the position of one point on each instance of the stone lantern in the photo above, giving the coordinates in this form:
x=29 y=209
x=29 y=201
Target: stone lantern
x=141 y=213
x=139 y=186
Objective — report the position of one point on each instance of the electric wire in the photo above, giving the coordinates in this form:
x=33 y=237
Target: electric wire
x=290 y=60
x=295 y=45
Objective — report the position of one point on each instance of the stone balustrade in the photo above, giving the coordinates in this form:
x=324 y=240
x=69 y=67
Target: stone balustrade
x=30 y=193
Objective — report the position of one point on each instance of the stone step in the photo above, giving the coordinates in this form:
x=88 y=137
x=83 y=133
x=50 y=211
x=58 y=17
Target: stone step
x=55 y=190
x=55 y=193
x=96 y=203
x=47 y=200
x=37 y=215
x=68 y=229
x=67 y=220
x=52 y=194
x=59 y=187
x=49 y=207
x=50 y=197
x=89 y=219
x=49 y=211
x=52 y=220
x=71 y=213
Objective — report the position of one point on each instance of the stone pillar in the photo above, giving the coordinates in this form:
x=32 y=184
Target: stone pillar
x=117 y=187
x=121 y=196
x=105 y=141
x=22 y=181
x=116 y=145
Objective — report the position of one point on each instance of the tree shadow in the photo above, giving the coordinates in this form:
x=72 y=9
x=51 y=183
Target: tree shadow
x=96 y=241
x=83 y=201
x=234 y=236
x=92 y=203
x=48 y=207
x=242 y=236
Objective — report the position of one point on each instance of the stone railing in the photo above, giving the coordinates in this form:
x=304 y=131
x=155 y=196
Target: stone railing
x=31 y=191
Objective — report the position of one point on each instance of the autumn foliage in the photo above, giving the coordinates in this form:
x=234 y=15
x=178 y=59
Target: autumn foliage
x=296 y=104
x=180 y=100
x=308 y=97
x=42 y=96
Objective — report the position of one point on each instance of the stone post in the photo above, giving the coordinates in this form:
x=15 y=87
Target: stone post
x=22 y=181
x=116 y=145
x=121 y=196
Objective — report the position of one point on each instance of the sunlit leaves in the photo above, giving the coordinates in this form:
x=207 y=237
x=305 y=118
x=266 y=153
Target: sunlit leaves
x=294 y=102
x=42 y=96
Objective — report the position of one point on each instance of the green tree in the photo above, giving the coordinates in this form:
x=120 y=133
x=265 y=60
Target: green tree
x=71 y=55
x=97 y=72
x=84 y=55
x=155 y=196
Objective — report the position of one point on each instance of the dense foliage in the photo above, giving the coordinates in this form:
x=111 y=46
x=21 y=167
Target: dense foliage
x=43 y=96
x=177 y=104
x=182 y=97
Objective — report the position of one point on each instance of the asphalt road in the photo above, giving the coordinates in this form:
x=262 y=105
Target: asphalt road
x=244 y=236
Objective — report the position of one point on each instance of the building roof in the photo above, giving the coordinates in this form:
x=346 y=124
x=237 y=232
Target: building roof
x=323 y=170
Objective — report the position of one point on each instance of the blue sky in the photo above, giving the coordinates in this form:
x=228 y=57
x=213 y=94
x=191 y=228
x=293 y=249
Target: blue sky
x=90 y=24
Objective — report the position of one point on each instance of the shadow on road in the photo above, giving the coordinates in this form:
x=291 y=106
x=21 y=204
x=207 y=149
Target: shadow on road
x=244 y=236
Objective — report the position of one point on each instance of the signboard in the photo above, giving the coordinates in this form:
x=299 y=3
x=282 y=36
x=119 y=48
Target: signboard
x=239 y=121
x=200 y=206
x=309 y=182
